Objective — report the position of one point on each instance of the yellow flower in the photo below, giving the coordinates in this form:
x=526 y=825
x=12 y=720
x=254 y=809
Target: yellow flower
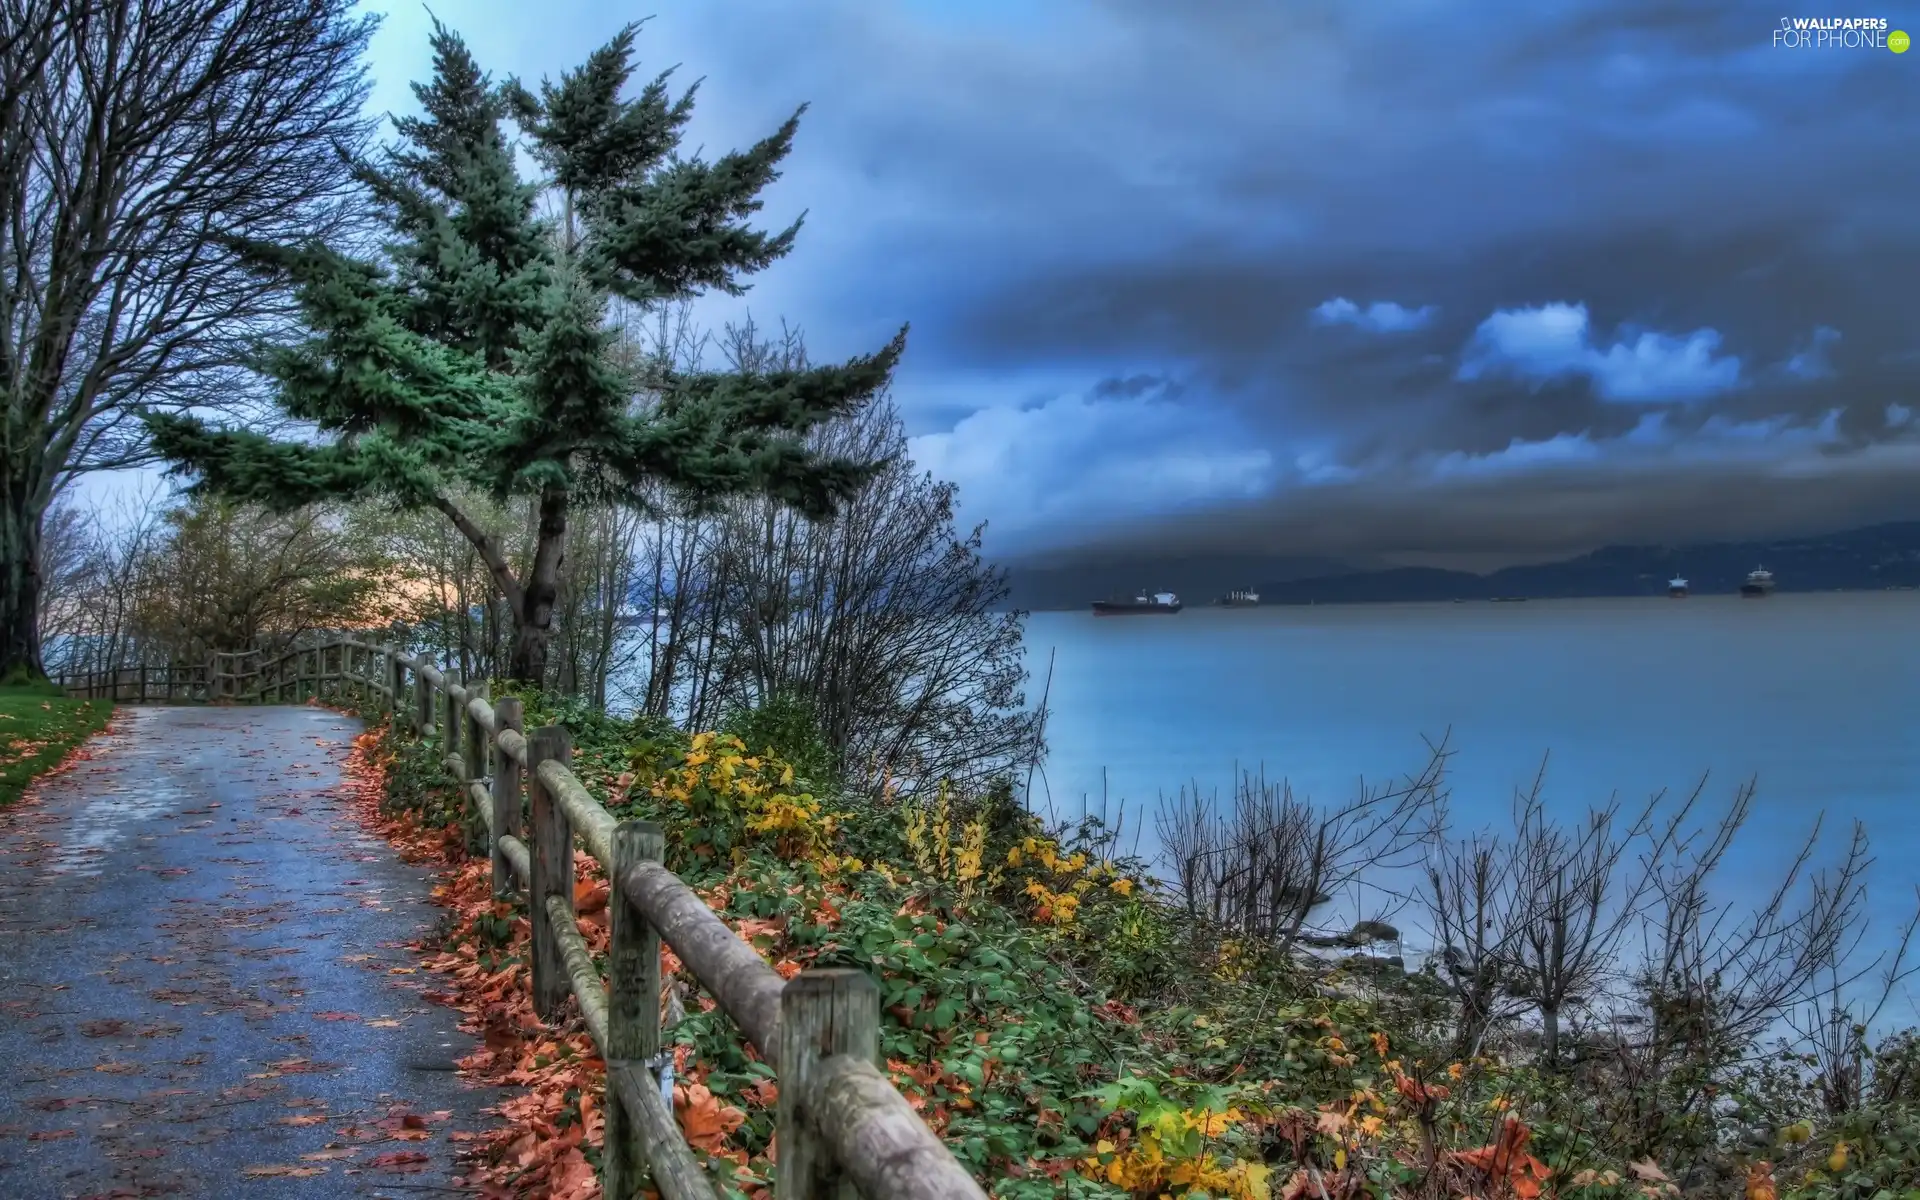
x=1122 y=886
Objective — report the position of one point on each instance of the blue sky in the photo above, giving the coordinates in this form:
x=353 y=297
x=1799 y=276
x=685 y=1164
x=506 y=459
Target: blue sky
x=1401 y=280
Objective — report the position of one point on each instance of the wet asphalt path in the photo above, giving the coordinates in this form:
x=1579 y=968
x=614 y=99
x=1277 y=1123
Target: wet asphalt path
x=204 y=985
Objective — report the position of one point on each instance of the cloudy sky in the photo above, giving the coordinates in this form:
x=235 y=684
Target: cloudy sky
x=1381 y=280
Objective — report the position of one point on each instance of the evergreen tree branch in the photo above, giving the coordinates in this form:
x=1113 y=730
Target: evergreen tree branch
x=241 y=465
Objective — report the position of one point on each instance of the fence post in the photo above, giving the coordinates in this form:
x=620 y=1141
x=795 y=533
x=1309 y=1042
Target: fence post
x=824 y=1012
x=422 y=702
x=474 y=736
x=397 y=687
x=551 y=858
x=633 y=1000
x=506 y=794
x=451 y=727
x=473 y=740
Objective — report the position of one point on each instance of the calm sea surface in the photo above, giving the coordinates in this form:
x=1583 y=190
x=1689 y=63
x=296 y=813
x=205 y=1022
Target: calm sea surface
x=1817 y=697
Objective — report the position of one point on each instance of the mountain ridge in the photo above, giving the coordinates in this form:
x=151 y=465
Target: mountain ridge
x=1869 y=558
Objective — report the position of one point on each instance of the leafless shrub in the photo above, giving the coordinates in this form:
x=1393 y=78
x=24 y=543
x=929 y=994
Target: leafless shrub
x=1473 y=906
x=1262 y=866
x=1575 y=894
x=1712 y=976
x=1836 y=1027
x=92 y=564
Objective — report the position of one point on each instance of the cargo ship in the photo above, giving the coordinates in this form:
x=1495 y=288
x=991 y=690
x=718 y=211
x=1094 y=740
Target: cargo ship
x=1158 y=602
x=1759 y=583
x=1677 y=588
x=1247 y=598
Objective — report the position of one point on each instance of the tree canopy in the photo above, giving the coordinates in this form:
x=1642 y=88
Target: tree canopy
x=475 y=352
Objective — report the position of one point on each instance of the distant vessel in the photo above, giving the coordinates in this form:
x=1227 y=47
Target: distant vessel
x=1677 y=587
x=1509 y=599
x=1759 y=583
x=1158 y=602
x=1240 y=599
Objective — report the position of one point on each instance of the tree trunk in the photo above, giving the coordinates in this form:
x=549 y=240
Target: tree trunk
x=1550 y=1047
x=19 y=581
x=533 y=619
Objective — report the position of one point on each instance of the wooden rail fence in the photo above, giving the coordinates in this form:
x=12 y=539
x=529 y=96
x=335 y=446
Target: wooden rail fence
x=842 y=1129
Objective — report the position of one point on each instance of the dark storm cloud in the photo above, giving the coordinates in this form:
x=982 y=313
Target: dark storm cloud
x=1693 y=188
x=1112 y=224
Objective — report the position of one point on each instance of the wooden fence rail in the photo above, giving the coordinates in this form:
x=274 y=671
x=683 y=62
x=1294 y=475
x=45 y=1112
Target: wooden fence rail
x=842 y=1128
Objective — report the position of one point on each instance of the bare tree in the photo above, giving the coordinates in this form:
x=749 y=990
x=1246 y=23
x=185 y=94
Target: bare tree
x=1573 y=906
x=1713 y=976
x=597 y=583
x=1264 y=866
x=136 y=137
x=93 y=562
x=1474 y=914
x=1837 y=1027
x=883 y=621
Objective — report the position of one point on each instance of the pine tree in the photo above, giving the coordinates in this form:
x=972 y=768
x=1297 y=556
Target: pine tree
x=477 y=353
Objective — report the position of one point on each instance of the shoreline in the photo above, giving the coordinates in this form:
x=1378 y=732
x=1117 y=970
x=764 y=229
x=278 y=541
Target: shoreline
x=1662 y=596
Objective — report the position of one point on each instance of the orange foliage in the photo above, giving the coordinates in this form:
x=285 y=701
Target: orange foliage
x=1507 y=1160
x=537 y=1153
x=557 y=1113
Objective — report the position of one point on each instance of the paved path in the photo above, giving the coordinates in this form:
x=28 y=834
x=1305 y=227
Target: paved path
x=204 y=984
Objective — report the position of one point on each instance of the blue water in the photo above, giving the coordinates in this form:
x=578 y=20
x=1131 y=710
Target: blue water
x=1814 y=696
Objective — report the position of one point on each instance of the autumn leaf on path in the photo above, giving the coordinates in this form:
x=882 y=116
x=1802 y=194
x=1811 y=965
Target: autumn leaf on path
x=572 y=1178
x=107 y=1028
x=404 y=1161
x=282 y=1171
